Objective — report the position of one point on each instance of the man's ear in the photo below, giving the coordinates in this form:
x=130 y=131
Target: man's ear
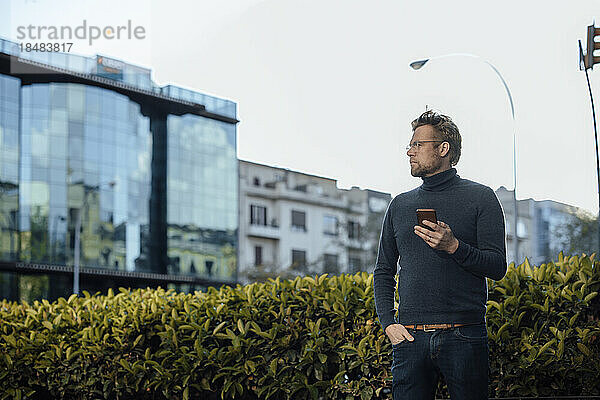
x=445 y=149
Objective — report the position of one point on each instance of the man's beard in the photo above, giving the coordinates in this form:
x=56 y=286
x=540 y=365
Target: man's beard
x=419 y=171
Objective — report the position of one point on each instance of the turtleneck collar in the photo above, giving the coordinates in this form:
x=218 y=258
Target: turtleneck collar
x=439 y=181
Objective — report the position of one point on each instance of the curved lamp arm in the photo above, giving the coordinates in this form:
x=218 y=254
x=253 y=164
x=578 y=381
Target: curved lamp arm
x=416 y=65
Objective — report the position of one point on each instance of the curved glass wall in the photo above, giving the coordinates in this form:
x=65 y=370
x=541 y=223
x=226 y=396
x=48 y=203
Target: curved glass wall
x=83 y=149
x=202 y=197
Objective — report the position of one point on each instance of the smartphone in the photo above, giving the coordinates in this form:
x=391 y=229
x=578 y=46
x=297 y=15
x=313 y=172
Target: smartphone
x=426 y=214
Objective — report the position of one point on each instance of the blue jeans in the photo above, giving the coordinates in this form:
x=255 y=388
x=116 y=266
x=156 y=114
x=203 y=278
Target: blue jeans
x=460 y=354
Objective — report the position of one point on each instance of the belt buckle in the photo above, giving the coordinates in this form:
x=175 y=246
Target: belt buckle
x=428 y=330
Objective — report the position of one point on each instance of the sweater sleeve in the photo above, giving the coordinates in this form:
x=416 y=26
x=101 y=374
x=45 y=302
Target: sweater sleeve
x=488 y=258
x=384 y=275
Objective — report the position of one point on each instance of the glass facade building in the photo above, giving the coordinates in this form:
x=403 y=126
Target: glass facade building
x=73 y=149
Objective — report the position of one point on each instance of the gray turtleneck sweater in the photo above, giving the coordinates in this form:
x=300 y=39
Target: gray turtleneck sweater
x=434 y=286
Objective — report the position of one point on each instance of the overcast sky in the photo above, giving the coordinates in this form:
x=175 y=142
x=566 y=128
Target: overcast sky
x=324 y=87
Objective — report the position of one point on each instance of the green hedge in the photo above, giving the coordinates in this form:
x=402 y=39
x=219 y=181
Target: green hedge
x=544 y=329
x=313 y=337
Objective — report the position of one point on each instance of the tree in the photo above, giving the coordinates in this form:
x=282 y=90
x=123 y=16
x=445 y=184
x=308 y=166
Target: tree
x=577 y=235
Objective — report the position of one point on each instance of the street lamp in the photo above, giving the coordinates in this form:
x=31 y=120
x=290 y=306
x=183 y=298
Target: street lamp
x=87 y=191
x=417 y=65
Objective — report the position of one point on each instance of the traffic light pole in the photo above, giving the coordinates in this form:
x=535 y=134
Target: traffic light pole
x=585 y=68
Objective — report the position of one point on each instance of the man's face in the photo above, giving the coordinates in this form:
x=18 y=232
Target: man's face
x=425 y=160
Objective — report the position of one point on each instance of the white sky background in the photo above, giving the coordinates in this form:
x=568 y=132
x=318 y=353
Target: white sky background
x=324 y=86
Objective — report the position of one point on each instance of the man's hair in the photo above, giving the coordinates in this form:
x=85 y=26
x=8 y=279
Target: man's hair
x=447 y=130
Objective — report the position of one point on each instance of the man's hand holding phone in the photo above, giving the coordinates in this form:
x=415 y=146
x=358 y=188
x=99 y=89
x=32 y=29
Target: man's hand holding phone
x=436 y=234
x=397 y=333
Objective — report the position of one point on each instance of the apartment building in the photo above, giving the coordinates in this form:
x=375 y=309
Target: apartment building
x=297 y=223
x=537 y=227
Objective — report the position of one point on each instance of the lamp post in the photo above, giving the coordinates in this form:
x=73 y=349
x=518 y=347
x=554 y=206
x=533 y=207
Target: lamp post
x=416 y=65
x=53 y=231
x=87 y=191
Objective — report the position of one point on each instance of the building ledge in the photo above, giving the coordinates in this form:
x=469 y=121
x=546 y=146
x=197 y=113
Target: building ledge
x=127 y=276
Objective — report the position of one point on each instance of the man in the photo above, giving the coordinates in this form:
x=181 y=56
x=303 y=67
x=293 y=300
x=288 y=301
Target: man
x=442 y=270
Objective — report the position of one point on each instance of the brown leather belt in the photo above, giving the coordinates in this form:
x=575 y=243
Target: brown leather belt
x=432 y=327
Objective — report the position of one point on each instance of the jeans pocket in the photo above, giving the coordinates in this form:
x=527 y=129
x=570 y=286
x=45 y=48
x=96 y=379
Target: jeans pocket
x=471 y=332
x=399 y=344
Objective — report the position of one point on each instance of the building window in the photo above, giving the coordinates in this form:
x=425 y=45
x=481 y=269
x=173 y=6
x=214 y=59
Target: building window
x=298 y=259
x=209 y=266
x=331 y=263
x=300 y=188
x=353 y=230
x=299 y=220
x=258 y=255
x=330 y=225
x=354 y=264
x=174 y=263
x=521 y=229
x=258 y=215
x=256 y=181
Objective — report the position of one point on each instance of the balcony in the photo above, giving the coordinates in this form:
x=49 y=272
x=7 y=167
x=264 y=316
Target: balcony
x=354 y=244
x=264 y=231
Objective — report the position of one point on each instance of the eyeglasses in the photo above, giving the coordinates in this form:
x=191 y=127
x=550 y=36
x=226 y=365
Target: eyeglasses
x=418 y=143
